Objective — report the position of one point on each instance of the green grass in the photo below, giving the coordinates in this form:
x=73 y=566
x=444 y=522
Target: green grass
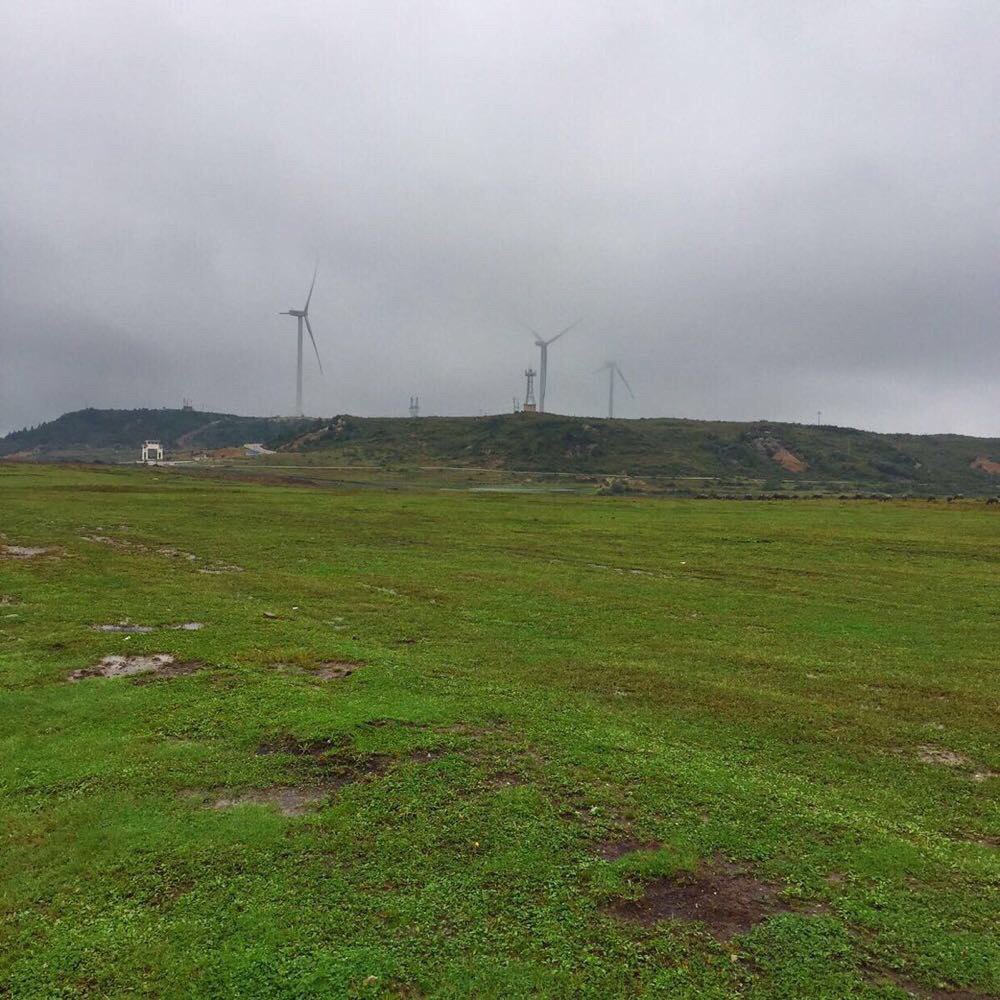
x=750 y=681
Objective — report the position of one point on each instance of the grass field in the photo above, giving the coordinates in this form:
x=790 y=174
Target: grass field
x=553 y=705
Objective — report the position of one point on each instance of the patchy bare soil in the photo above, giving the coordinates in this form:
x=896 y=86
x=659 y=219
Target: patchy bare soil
x=985 y=463
x=939 y=755
x=170 y=671
x=218 y=569
x=123 y=666
x=288 y=800
x=174 y=553
x=324 y=765
x=122 y=544
x=213 y=567
x=777 y=452
x=612 y=850
x=726 y=898
x=322 y=670
x=788 y=461
x=26 y=551
x=505 y=779
x=145 y=668
x=331 y=763
x=130 y=628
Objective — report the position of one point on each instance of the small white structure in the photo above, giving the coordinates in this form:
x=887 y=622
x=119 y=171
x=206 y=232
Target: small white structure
x=152 y=453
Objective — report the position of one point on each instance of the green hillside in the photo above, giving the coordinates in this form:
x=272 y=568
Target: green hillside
x=729 y=451
x=773 y=455
x=87 y=433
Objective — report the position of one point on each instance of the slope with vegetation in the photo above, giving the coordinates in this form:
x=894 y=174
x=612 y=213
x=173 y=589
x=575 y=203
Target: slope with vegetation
x=727 y=451
x=85 y=433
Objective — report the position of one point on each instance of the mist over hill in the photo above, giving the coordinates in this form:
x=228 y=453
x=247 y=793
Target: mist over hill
x=766 y=452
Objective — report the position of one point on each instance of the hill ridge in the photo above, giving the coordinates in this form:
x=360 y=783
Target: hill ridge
x=768 y=451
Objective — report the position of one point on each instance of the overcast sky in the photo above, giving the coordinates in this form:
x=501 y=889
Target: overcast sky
x=760 y=209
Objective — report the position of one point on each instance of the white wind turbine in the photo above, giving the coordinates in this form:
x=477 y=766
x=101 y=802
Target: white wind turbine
x=611 y=367
x=303 y=315
x=543 y=365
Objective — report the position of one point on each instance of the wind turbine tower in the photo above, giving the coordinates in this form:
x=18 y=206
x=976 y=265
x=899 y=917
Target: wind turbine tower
x=414 y=407
x=302 y=315
x=543 y=366
x=612 y=369
x=529 y=392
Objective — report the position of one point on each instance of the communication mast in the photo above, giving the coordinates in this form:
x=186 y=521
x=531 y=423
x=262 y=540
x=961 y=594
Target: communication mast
x=529 y=392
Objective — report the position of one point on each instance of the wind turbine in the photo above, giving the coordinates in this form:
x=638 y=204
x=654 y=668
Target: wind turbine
x=543 y=346
x=303 y=315
x=611 y=367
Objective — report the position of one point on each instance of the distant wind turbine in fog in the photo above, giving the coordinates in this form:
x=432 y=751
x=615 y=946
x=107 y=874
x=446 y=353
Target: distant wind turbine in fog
x=611 y=367
x=303 y=315
x=543 y=346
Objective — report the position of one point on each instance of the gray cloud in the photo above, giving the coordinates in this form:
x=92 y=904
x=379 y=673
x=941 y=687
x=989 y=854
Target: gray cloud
x=760 y=209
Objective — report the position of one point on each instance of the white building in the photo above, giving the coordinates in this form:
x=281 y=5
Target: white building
x=152 y=452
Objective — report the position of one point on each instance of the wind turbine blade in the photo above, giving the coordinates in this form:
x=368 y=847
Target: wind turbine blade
x=305 y=308
x=552 y=340
x=534 y=333
x=315 y=348
x=603 y=368
x=622 y=377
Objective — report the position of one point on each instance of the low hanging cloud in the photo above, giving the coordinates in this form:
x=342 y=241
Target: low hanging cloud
x=760 y=210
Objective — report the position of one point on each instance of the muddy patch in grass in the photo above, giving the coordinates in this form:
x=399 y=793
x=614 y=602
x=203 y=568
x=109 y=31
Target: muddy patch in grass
x=175 y=553
x=329 y=762
x=124 y=666
x=301 y=748
x=289 y=800
x=130 y=628
x=170 y=671
x=333 y=670
x=939 y=755
x=612 y=850
x=322 y=670
x=218 y=569
x=27 y=551
x=505 y=779
x=143 y=668
x=726 y=898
